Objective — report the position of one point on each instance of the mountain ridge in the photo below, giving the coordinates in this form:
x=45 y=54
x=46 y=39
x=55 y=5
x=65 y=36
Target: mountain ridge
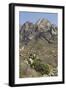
x=41 y=29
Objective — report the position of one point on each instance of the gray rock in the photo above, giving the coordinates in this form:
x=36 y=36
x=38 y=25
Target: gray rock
x=42 y=29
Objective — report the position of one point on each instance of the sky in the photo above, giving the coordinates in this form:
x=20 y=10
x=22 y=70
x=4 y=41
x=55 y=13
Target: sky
x=34 y=16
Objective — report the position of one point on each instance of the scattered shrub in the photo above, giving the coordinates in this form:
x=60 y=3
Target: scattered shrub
x=38 y=65
x=42 y=68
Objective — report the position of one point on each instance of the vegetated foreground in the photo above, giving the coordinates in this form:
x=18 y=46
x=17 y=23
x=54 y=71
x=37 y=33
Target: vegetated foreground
x=38 y=49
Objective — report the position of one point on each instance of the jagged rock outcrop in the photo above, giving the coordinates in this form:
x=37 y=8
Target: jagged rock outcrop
x=42 y=29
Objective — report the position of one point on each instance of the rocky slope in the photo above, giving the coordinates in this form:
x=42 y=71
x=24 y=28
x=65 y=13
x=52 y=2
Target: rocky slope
x=38 y=49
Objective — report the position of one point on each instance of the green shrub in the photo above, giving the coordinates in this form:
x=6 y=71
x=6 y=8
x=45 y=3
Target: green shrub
x=40 y=67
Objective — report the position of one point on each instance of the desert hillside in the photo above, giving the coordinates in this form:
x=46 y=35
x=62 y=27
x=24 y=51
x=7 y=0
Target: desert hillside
x=38 y=49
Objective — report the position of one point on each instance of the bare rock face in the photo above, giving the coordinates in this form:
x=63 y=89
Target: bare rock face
x=43 y=25
x=26 y=32
x=41 y=29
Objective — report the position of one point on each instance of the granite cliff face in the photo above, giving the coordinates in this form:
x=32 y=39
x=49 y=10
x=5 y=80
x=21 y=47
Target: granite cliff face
x=42 y=29
x=38 y=49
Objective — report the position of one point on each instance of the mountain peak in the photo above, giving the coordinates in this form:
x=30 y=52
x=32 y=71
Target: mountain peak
x=41 y=29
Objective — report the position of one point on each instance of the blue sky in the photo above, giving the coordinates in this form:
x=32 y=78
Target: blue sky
x=34 y=16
